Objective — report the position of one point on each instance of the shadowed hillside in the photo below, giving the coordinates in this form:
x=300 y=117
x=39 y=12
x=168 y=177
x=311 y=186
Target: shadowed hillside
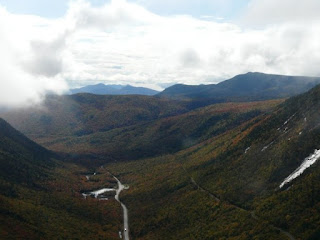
x=40 y=196
x=20 y=157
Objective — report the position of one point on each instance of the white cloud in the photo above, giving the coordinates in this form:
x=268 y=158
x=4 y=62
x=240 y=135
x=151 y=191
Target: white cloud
x=46 y=59
x=18 y=86
x=155 y=49
x=268 y=12
x=122 y=42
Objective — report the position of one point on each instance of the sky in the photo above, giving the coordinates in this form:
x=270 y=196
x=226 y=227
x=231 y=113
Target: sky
x=51 y=46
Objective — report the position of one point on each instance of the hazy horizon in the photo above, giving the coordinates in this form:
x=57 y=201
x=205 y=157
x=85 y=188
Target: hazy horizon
x=54 y=46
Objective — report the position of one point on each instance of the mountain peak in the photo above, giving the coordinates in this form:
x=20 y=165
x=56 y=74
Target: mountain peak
x=251 y=86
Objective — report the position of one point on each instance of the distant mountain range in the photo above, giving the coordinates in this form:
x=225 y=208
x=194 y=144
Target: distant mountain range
x=244 y=87
x=252 y=86
x=102 y=89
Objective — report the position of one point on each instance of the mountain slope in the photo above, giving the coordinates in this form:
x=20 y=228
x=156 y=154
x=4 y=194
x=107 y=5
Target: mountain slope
x=103 y=89
x=161 y=136
x=229 y=185
x=82 y=114
x=40 y=196
x=126 y=128
x=20 y=157
x=245 y=87
x=277 y=146
x=225 y=186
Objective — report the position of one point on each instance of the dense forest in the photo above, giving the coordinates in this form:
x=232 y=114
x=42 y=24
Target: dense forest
x=212 y=172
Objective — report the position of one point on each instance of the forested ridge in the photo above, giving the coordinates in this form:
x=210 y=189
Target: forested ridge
x=208 y=173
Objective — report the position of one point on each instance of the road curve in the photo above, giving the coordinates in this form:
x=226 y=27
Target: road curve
x=125 y=210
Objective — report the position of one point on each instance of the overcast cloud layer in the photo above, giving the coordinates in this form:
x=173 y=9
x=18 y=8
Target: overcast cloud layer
x=124 y=43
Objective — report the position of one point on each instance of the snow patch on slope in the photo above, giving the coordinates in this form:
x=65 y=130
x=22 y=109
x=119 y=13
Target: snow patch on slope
x=305 y=164
x=266 y=147
x=247 y=149
x=286 y=122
